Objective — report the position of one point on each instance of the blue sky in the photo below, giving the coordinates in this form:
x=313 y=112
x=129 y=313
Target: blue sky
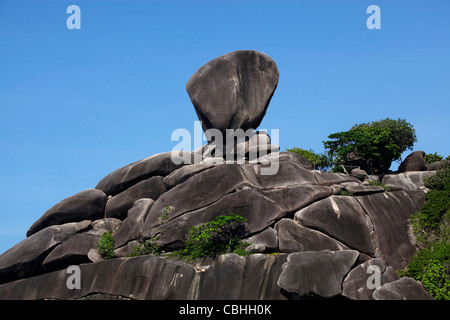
x=78 y=104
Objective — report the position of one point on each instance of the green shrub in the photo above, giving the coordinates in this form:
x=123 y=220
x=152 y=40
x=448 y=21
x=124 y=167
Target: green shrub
x=440 y=181
x=149 y=247
x=431 y=267
x=213 y=238
x=436 y=205
x=320 y=161
x=436 y=280
x=106 y=246
x=430 y=157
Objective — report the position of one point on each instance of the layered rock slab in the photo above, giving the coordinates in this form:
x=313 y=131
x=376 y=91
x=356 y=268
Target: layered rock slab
x=85 y=205
x=158 y=278
x=160 y=164
x=26 y=257
x=317 y=272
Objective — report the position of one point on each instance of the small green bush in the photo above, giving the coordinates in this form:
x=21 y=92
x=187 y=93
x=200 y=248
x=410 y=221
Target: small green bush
x=431 y=267
x=440 y=181
x=320 y=161
x=436 y=205
x=213 y=238
x=106 y=246
x=149 y=247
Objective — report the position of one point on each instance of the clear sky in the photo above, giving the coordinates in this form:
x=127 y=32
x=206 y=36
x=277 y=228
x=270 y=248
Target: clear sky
x=78 y=104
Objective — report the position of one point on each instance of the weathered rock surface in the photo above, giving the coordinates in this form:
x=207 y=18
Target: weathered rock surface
x=241 y=278
x=316 y=272
x=389 y=213
x=234 y=90
x=402 y=289
x=118 y=206
x=132 y=225
x=296 y=211
x=293 y=237
x=25 y=258
x=413 y=162
x=363 y=190
x=361 y=282
x=342 y=218
x=436 y=165
x=407 y=180
x=157 y=165
x=145 y=277
x=359 y=174
x=85 y=205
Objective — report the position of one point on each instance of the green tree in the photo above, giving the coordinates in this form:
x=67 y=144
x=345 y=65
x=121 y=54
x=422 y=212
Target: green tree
x=371 y=146
x=320 y=161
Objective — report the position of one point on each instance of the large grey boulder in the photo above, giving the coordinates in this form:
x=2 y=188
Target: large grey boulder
x=402 y=289
x=73 y=251
x=132 y=225
x=390 y=213
x=361 y=282
x=293 y=237
x=233 y=277
x=85 y=205
x=160 y=164
x=437 y=165
x=182 y=174
x=317 y=272
x=26 y=257
x=342 y=218
x=199 y=191
x=118 y=206
x=408 y=180
x=142 y=278
x=234 y=90
x=413 y=162
x=267 y=240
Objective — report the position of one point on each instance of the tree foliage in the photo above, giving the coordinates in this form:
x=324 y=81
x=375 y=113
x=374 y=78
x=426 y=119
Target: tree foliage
x=371 y=146
x=320 y=161
x=434 y=157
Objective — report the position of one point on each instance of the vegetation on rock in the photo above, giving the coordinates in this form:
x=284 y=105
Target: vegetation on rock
x=431 y=226
x=106 y=246
x=320 y=161
x=221 y=235
x=434 y=157
x=371 y=146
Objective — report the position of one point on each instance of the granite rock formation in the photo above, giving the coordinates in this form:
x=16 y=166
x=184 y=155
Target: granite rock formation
x=307 y=239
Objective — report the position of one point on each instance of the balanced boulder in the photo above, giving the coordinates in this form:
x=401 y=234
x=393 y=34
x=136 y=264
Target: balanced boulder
x=234 y=90
x=413 y=162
